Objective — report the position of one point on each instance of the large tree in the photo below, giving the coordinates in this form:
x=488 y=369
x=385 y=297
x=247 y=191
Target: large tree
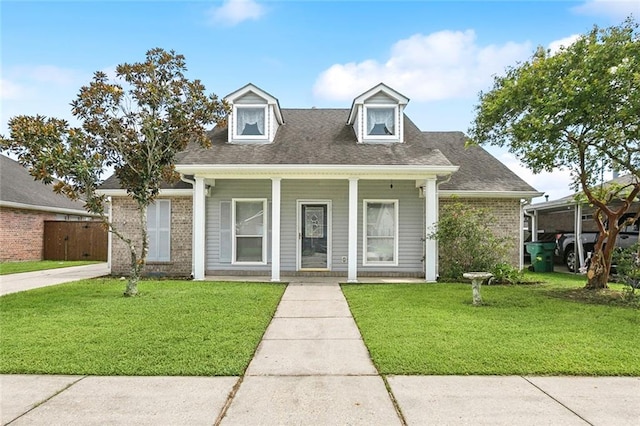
x=575 y=109
x=134 y=124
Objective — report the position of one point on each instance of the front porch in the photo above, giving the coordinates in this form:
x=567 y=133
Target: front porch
x=279 y=235
x=328 y=280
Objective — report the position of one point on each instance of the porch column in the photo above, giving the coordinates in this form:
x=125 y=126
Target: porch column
x=275 y=229
x=198 y=228
x=534 y=225
x=431 y=219
x=352 y=275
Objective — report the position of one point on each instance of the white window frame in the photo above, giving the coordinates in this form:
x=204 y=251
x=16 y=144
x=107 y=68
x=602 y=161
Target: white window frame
x=234 y=240
x=152 y=254
x=238 y=136
x=396 y=123
x=365 y=261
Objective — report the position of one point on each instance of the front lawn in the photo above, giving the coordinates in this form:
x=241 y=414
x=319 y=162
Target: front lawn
x=39 y=265
x=172 y=328
x=537 y=329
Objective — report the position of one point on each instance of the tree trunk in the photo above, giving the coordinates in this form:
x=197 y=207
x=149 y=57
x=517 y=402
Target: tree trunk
x=598 y=274
x=137 y=264
x=134 y=276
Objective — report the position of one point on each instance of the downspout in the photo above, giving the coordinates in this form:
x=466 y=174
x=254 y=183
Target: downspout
x=531 y=223
x=109 y=234
x=193 y=226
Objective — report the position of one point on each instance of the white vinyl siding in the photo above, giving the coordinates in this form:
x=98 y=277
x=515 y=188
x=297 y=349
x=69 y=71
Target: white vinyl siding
x=380 y=232
x=159 y=231
x=410 y=222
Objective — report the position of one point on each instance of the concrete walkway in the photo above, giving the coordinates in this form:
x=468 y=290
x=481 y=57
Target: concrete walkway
x=312 y=368
x=13 y=283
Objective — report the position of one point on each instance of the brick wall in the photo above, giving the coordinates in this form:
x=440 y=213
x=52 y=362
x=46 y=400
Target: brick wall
x=125 y=219
x=22 y=234
x=565 y=221
x=506 y=213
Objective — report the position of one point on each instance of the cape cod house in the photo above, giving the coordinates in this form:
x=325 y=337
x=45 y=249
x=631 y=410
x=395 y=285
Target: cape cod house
x=342 y=192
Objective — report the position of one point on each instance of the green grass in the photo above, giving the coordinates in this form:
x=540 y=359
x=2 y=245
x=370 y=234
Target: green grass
x=172 y=328
x=551 y=328
x=39 y=265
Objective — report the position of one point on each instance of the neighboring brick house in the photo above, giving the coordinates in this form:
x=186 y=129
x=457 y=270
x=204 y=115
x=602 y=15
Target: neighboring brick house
x=25 y=204
x=338 y=192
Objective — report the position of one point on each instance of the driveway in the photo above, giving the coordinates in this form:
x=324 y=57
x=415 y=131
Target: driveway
x=14 y=283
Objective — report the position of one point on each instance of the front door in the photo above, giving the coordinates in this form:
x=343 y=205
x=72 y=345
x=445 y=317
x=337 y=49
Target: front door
x=314 y=240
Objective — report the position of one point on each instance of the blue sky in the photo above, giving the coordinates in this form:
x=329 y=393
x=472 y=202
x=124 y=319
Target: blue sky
x=305 y=53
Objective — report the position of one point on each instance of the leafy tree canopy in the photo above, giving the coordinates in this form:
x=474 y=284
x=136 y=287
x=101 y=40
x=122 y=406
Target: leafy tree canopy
x=575 y=109
x=134 y=123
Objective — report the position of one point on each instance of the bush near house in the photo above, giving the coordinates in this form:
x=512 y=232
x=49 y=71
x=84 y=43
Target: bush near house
x=466 y=242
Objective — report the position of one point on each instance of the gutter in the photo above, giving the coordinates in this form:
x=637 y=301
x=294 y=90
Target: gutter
x=61 y=210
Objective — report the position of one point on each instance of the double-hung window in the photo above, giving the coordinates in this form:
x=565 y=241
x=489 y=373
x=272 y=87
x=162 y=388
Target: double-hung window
x=381 y=122
x=159 y=231
x=380 y=232
x=249 y=237
x=250 y=122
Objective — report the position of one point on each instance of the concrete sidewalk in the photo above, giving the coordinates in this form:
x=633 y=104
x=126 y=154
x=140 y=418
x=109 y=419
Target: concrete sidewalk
x=13 y=283
x=312 y=368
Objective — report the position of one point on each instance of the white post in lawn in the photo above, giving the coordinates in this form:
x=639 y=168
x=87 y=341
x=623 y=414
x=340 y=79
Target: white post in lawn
x=198 y=228
x=352 y=274
x=431 y=219
x=275 y=228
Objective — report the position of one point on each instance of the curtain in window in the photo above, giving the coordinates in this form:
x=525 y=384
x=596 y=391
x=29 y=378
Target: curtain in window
x=381 y=229
x=250 y=121
x=380 y=121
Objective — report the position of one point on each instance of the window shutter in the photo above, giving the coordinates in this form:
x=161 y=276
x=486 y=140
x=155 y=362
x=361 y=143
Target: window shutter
x=159 y=231
x=225 y=232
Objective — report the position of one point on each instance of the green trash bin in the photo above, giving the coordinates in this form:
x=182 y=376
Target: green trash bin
x=541 y=255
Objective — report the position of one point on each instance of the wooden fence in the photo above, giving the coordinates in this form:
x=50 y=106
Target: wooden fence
x=80 y=240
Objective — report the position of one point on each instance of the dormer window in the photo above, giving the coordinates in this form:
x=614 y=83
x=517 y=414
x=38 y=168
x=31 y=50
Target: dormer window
x=381 y=121
x=251 y=121
x=377 y=115
x=255 y=117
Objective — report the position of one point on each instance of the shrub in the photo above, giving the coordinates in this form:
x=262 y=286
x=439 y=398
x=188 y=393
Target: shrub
x=466 y=242
x=504 y=273
x=627 y=269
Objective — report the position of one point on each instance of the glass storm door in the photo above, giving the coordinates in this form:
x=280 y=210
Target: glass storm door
x=314 y=233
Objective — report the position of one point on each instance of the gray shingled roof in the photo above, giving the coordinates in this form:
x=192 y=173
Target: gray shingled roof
x=18 y=186
x=320 y=137
x=479 y=170
x=112 y=183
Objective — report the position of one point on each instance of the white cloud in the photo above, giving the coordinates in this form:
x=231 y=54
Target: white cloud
x=40 y=89
x=556 y=184
x=615 y=9
x=441 y=65
x=555 y=46
x=12 y=90
x=233 y=12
